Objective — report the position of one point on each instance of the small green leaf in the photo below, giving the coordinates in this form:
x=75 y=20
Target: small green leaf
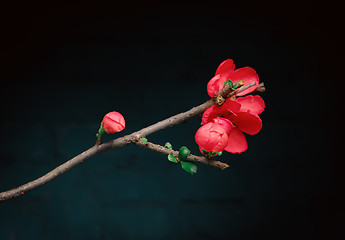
x=235 y=86
x=219 y=153
x=168 y=145
x=228 y=82
x=232 y=85
x=183 y=153
x=207 y=154
x=172 y=158
x=189 y=167
x=144 y=140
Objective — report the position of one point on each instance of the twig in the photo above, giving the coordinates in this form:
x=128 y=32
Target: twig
x=260 y=88
x=191 y=157
x=122 y=141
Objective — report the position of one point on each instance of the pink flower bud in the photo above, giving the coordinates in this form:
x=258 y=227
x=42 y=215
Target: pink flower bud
x=211 y=137
x=113 y=122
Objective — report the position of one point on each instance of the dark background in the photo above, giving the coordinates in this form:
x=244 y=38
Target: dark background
x=65 y=66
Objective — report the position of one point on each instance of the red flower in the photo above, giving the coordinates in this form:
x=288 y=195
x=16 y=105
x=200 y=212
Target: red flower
x=113 y=122
x=211 y=137
x=242 y=115
x=225 y=71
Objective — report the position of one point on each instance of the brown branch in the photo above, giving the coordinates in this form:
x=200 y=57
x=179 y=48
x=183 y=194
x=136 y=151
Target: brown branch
x=260 y=88
x=191 y=157
x=21 y=190
x=122 y=141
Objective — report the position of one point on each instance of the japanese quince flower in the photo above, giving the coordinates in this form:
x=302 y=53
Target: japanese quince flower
x=226 y=70
x=113 y=122
x=242 y=115
x=211 y=137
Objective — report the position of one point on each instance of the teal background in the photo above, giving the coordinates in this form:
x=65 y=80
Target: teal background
x=66 y=66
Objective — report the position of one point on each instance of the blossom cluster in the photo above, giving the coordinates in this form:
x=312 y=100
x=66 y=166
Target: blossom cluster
x=223 y=125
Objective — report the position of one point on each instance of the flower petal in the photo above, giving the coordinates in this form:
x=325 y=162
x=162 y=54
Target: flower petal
x=237 y=142
x=248 y=75
x=206 y=114
x=227 y=108
x=217 y=83
x=230 y=106
x=214 y=85
x=227 y=66
x=252 y=104
x=224 y=123
x=247 y=122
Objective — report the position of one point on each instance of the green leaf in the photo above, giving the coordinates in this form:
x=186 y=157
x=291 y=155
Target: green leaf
x=207 y=154
x=219 y=153
x=235 y=86
x=183 y=153
x=144 y=140
x=168 y=145
x=228 y=82
x=189 y=167
x=238 y=84
x=172 y=158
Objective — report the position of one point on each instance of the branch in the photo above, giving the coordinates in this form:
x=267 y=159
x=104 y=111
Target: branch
x=122 y=141
x=260 y=88
x=183 y=117
x=191 y=157
x=21 y=190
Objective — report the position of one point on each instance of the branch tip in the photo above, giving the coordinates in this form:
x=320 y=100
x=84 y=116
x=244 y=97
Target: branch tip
x=225 y=166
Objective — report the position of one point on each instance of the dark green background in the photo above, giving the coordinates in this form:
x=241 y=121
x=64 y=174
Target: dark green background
x=65 y=66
